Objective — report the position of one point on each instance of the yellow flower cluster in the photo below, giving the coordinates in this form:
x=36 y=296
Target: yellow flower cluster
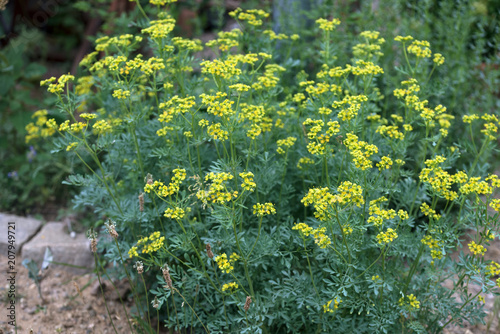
x=365 y=68
x=161 y=189
x=412 y=302
x=42 y=127
x=217 y=191
x=421 y=49
x=495 y=204
x=304 y=161
x=438 y=59
x=351 y=104
x=288 y=142
x=105 y=43
x=336 y=302
x=175 y=106
x=439 y=179
x=264 y=209
x=101 y=127
x=378 y=215
x=71 y=146
x=215 y=131
x=403 y=39
x=161 y=2
x=386 y=237
x=385 y=163
x=160 y=28
x=490 y=128
x=84 y=85
x=322 y=199
x=240 y=88
x=248 y=183
x=226 y=40
x=187 y=44
x=428 y=211
x=57 y=88
x=226 y=265
x=252 y=16
x=475 y=186
x=225 y=69
x=469 y=118
x=320 y=238
x=371 y=47
x=392 y=131
x=89 y=59
x=87 y=116
x=272 y=35
x=121 y=94
x=217 y=106
x=270 y=78
x=351 y=193
x=434 y=245
x=318 y=146
x=176 y=213
x=476 y=249
x=327 y=25
x=256 y=115
x=149 y=244
x=493 y=269
x=360 y=151
x=305 y=229
x=230 y=287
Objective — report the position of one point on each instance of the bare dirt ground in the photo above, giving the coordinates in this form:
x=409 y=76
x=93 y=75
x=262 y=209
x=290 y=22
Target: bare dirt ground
x=64 y=309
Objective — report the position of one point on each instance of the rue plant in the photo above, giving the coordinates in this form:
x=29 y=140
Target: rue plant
x=250 y=193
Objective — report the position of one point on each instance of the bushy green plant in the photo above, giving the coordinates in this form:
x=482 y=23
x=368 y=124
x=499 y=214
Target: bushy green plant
x=252 y=196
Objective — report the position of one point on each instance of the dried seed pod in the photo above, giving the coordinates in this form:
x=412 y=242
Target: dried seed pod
x=166 y=276
x=140 y=267
x=93 y=245
x=141 y=202
x=209 y=251
x=111 y=227
x=247 y=303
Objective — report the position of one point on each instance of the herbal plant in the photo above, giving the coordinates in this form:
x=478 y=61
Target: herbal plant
x=242 y=196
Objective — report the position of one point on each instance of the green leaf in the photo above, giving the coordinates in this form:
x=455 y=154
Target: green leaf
x=34 y=71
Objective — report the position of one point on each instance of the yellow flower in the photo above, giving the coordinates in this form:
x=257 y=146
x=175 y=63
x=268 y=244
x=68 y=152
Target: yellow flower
x=303 y=228
x=248 y=183
x=224 y=264
x=177 y=213
x=101 y=127
x=326 y=25
x=71 y=146
x=476 y=249
x=327 y=308
x=387 y=237
x=438 y=59
x=264 y=209
x=230 y=287
x=87 y=116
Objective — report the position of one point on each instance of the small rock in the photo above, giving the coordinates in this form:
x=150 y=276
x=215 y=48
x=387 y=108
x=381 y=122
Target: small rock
x=31 y=310
x=95 y=290
x=64 y=249
x=24 y=229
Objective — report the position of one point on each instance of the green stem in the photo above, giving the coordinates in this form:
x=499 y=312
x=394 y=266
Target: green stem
x=147 y=300
x=310 y=269
x=102 y=292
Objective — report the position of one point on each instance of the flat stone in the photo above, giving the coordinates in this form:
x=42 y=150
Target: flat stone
x=24 y=229
x=64 y=248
